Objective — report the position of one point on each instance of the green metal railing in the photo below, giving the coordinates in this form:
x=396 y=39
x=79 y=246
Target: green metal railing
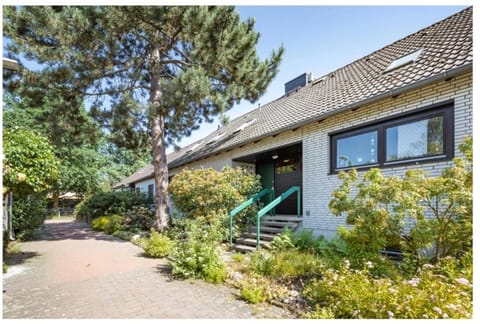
x=275 y=203
x=244 y=205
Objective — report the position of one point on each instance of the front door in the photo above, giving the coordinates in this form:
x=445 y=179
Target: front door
x=265 y=170
x=288 y=173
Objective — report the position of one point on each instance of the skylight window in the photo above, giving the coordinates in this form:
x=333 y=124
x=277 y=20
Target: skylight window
x=404 y=60
x=244 y=125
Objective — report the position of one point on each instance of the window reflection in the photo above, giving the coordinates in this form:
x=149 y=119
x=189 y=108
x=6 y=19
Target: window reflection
x=357 y=150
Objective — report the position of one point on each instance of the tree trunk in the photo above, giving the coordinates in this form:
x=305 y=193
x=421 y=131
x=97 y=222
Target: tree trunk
x=160 y=167
x=161 y=174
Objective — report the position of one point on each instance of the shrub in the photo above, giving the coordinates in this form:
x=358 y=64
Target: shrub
x=115 y=224
x=29 y=212
x=351 y=293
x=5 y=267
x=108 y=224
x=158 y=245
x=302 y=241
x=199 y=256
x=101 y=223
x=123 y=235
x=440 y=209
x=285 y=264
x=108 y=203
x=238 y=257
x=139 y=219
x=205 y=194
x=252 y=292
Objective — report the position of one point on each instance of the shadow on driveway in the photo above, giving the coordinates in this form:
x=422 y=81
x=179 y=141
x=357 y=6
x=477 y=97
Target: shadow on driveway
x=56 y=230
x=19 y=257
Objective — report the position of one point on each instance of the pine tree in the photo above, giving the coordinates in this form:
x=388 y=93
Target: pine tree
x=184 y=65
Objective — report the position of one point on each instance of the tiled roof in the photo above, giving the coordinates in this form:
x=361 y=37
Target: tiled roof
x=144 y=173
x=447 y=47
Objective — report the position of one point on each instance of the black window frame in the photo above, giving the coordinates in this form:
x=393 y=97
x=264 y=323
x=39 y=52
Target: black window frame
x=445 y=109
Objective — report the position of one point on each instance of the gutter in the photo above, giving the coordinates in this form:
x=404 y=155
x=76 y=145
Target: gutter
x=391 y=93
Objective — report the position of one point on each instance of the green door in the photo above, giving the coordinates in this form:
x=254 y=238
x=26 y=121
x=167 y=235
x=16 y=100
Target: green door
x=265 y=171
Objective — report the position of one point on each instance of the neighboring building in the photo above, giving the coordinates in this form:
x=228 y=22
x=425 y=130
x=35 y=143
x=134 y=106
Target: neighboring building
x=407 y=105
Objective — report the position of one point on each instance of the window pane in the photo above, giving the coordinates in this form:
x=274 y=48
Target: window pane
x=413 y=140
x=357 y=150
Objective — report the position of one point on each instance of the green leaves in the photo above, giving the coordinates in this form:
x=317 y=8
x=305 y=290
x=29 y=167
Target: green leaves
x=29 y=165
x=438 y=210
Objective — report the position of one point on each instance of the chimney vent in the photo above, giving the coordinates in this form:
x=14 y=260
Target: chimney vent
x=298 y=82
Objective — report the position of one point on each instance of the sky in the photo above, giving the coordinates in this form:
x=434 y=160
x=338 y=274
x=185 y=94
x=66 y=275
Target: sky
x=321 y=39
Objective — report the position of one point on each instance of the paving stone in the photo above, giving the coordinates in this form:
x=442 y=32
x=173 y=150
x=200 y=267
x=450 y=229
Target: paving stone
x=77 y=273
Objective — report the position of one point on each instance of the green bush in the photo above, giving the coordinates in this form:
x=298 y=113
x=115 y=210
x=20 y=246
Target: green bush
x=302 y=241
x=158 y=245
x=252 y=292
x=109 y=203
x=108 y=224
x=348 y=293
x=205 y=194
x=199 y=255
x=115 y=224
x=5 y=267
x=29 y=214
x=285 y=264
x=440 y=209
x=139 y=219
x=101 y=223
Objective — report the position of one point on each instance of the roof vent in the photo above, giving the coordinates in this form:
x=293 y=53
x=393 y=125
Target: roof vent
x=298 y=82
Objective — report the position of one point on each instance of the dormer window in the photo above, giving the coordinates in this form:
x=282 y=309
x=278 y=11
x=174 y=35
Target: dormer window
x=404 y=60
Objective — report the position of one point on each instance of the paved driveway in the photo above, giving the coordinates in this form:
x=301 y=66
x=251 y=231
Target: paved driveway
x=73 y=272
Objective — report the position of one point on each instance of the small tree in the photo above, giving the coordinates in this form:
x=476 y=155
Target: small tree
x=206 y=194
x=30 y=165
x=29 y=169
x=438 y=210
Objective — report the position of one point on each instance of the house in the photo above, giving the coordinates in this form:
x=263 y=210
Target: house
x=407 y=105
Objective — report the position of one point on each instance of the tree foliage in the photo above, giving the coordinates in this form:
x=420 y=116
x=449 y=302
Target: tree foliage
x=30 y=165
x=433 y=212
x=191 y=62
x=208 y=194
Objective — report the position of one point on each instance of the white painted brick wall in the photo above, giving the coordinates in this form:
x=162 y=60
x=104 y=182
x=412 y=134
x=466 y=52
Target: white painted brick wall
x=318 y=184
x=143 y=185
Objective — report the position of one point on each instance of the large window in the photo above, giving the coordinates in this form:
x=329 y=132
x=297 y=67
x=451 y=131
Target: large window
x=423 y=135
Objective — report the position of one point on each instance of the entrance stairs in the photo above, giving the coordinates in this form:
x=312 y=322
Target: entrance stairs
x=270 y=226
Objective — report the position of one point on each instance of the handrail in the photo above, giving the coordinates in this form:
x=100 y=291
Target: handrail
x=275 y=203
x=244 y=205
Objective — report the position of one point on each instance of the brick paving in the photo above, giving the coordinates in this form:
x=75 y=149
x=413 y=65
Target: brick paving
x=75 y=273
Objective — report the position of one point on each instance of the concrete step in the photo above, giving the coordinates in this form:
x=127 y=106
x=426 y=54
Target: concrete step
x=267 y=229
x=287 y=218
x=279 y=224
x=244 y=248
x=251 y=242
x=263 y=236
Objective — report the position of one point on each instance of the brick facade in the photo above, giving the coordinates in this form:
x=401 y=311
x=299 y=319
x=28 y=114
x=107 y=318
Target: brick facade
x=318 y=183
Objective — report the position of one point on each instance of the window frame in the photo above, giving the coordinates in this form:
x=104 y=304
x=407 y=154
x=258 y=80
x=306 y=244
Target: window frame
x=445 y=109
